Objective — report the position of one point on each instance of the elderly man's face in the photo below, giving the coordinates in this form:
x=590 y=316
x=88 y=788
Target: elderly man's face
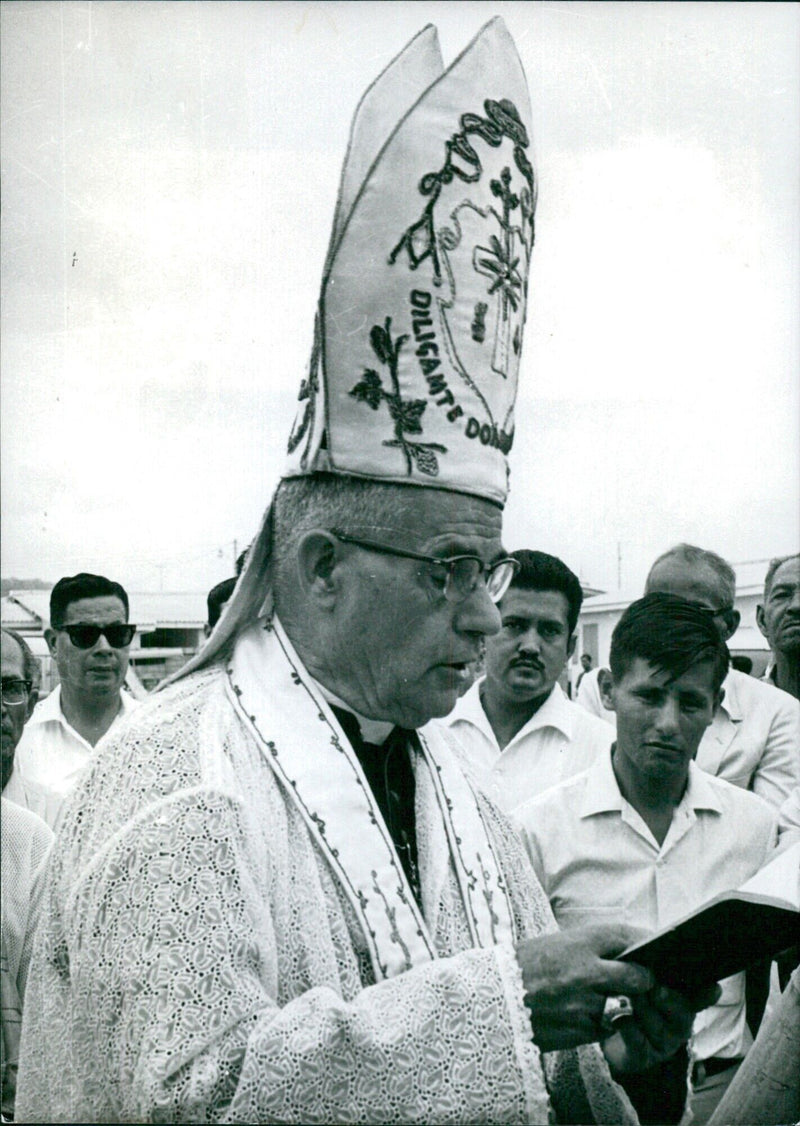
x=779 y=617
x=15 y=713
x=695 y=583
x=401 y=649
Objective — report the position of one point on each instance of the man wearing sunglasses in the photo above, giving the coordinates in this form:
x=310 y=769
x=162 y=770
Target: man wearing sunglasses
x=89 y=638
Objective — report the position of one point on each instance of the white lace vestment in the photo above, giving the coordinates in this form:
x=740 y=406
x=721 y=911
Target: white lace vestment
x=199 y=960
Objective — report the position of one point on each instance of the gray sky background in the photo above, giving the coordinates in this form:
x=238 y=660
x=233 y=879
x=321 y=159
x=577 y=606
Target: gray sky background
x=169 y=177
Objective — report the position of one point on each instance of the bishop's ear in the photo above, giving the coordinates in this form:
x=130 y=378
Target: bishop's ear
x=318 y=554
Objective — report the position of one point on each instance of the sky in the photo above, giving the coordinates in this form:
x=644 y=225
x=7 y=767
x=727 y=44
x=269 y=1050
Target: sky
x=169 y=174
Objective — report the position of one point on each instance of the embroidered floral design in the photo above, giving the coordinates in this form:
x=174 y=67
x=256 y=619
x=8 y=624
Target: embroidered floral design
x=405 y=413
x=391 y=914
x=496 y=260
x=308 y=394
x=502 y=120
x=489 y=896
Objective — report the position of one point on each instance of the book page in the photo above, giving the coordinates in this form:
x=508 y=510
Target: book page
x=779 y=879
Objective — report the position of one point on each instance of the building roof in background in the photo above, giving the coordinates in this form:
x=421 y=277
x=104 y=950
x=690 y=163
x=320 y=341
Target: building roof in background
x=14 y=615
x=749 y=586
x=749 y=581
x=178 y=609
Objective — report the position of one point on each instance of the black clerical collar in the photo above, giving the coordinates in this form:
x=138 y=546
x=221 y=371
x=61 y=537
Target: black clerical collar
x=390 y=776
x=374 y=731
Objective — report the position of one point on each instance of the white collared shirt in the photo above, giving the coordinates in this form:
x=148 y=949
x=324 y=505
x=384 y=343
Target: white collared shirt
x=754 y=738
x=599 y=862
x=51 y=756
x=25 y=841
x=558 y=741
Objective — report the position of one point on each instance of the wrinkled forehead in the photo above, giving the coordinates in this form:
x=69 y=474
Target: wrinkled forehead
x=788 y=574
x=695 y=582
x=100 y=611
x=533 y=605
x=440 y=522
x=11 y=657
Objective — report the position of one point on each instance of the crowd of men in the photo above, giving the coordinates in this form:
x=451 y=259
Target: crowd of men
x=323 y=874
x=682 y=790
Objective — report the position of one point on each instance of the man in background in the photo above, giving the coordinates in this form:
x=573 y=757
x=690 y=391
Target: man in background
x=754 y=738
x=518 y=732
x=586 y=664
x=216 y=602
x=89 y=638
x=25 y=841
x=778 y=618
x=645 y=836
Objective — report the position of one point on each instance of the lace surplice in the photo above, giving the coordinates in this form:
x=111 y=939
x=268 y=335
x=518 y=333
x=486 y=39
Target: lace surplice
x=198 y=961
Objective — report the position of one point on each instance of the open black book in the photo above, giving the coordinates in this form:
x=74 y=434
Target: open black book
x=730 y=932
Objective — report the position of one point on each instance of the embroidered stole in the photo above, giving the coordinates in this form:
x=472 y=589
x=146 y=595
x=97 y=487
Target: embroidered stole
x=303 y=743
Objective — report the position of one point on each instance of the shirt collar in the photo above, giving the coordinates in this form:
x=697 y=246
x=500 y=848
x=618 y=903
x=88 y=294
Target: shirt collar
x=555 y=712
x=602 y=794
x=49 y=710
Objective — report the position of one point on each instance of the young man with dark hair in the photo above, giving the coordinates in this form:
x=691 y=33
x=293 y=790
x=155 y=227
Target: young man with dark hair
x=754 y=736
x=89 y=638
x=645 y=836
x=516 y=730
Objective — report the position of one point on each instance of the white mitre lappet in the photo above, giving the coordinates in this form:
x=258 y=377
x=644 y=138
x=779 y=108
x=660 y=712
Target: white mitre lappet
x=418 y=333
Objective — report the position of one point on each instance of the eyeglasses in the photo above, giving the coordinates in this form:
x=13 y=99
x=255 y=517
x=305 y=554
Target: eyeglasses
x=83 y=635
x=15 y=691
x=713 y=612
x=462 y=573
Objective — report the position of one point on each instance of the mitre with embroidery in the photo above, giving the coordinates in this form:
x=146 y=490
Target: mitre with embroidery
x=413 y=373
x=418 y=336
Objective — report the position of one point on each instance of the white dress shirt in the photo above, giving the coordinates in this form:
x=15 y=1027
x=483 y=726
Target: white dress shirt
x=599 y=862
x=26 y=842
x=559 y=740
x=51 y=756
x=754 y=738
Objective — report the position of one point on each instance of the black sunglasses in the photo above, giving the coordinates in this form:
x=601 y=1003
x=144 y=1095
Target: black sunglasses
x=83 y=635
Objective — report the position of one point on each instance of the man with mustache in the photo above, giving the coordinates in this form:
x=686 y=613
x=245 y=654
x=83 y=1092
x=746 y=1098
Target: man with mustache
x=518 y=731
x=89 y=638
x=645 y=836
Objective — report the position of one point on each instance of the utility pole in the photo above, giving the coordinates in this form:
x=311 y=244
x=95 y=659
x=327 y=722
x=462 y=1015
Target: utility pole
x=235 y=554
x=619 y=565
